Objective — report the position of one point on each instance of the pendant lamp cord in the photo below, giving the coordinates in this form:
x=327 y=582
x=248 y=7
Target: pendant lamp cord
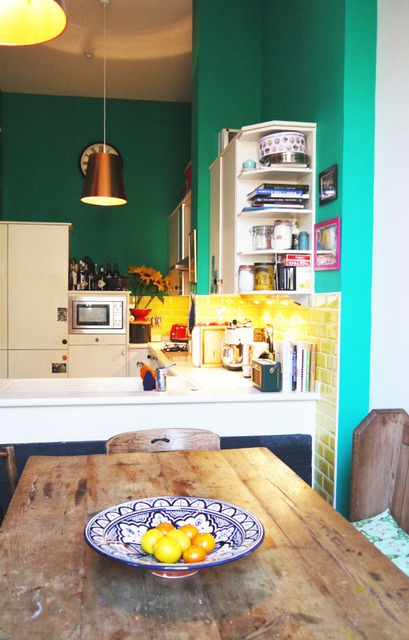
x=105 y=78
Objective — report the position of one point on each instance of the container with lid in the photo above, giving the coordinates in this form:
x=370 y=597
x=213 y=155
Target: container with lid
x=283 y=235
x=246 y=277
x=264 y=276
x=262 y=237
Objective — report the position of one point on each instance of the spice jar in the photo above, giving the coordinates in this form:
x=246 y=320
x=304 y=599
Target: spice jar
x=246 y=277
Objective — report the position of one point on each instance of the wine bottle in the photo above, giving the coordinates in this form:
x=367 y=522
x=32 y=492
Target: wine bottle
x=108 y=276
x=101 y=284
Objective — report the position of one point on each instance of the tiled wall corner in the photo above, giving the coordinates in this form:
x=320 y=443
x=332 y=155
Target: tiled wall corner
x=317 y=323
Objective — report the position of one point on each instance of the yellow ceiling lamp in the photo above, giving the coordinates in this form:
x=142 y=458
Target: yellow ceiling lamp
x=26 y=22
x=103 y=182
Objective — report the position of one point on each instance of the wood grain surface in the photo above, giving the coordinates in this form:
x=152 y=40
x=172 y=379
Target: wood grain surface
x=314 y=576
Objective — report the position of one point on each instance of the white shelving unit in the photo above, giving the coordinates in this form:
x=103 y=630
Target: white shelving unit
x=230 y=184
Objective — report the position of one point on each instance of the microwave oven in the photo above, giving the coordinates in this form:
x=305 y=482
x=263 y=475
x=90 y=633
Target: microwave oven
x=98 y=314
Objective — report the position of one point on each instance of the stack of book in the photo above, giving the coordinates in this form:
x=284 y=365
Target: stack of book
x=297 y=361
x=278 y=196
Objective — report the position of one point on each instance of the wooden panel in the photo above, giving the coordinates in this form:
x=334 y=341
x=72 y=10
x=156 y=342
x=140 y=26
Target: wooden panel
x=163 y=440
x=376 y=445
x=400 y=501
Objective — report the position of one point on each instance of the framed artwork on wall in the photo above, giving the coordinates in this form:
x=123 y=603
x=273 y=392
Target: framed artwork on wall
x=328 y=184
x=192 y=257
x=327 y=245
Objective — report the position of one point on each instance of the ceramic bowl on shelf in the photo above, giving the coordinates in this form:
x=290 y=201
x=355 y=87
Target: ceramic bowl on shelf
x=116 y=532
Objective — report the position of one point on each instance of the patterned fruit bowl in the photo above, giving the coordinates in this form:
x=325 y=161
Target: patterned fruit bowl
x=116 y=532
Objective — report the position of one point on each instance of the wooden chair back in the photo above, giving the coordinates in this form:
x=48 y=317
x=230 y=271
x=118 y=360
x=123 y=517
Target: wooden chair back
x=162 y=440
x=400 y=499
x=378 y=450
x=7 y=454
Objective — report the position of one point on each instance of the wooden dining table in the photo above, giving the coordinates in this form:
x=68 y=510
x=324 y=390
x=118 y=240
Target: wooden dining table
x=313 y=576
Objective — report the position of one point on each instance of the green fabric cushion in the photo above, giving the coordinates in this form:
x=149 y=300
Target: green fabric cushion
x=383 y=531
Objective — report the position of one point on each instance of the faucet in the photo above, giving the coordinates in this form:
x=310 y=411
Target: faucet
x=161 y=377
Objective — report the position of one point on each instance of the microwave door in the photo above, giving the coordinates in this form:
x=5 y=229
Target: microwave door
x=93 y=315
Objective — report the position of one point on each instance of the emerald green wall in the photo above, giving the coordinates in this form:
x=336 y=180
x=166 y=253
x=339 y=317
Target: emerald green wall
x=42 y=139
x=227 y=86
x=317 y=64
x=329 y=77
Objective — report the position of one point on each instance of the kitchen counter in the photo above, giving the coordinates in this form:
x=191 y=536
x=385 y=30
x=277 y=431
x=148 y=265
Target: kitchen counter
x=78 y=409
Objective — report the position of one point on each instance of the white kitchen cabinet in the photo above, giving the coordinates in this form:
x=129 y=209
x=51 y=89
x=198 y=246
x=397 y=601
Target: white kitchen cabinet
x=3 y=363
x=230 y=185
x=135 y=355
x=3 y=291
x=96 y=356
x=35 y=277
x=179 y=227
x=37 y=363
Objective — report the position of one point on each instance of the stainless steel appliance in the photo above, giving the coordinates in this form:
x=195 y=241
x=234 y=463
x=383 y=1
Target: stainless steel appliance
x=98 y=313
x=236 y=349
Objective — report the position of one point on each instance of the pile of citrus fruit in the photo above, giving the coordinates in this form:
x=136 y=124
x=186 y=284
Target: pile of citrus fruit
x=169 y=544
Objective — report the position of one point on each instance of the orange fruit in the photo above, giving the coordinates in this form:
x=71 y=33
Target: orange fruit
x=165 y=527
x=167 y=550
x=190 y=530
x=206 y=541
x=194 y=554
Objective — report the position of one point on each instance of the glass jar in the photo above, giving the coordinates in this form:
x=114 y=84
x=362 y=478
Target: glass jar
x=246 y=277
x=283 y=235
x=264 y=276
x=262 y=236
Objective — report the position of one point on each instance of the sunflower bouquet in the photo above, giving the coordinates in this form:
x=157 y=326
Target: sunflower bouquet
x=147 y=282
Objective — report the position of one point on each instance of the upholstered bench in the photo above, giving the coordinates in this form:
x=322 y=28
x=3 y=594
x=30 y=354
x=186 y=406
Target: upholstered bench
x=380 y=483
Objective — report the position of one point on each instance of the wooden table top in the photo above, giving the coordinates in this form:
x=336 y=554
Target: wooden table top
x=314 y=575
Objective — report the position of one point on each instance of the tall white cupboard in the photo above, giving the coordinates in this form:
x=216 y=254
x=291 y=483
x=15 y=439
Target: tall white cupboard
x=34 y=299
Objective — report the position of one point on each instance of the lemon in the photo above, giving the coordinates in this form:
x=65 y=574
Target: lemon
x=167 y=550
x=181 y=537
x=149 y=538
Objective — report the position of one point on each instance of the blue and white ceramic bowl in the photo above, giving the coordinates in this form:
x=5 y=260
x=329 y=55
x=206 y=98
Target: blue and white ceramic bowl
x=116 y=532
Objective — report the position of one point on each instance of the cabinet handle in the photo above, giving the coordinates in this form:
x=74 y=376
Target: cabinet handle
x=123 y=353
x=64 y=358
x=96 y=339
x=64 y=341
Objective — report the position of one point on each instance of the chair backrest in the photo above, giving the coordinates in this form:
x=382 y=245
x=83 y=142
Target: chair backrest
x=400 y=498
x=7 y=454
x=9 y=458
x=162 y=440
x=377 y=443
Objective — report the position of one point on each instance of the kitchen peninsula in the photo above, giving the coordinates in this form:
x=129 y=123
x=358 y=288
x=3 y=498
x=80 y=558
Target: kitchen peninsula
x=78 y=409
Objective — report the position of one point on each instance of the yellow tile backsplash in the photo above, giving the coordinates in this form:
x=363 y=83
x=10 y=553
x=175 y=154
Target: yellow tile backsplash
x=317 y=323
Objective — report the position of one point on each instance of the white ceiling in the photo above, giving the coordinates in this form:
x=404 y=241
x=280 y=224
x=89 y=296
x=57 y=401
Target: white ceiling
x=148 y=53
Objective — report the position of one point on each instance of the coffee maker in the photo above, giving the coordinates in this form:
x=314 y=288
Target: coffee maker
x=236 y=351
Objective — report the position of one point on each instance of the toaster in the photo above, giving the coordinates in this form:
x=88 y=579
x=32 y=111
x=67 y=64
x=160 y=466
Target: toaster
x=179 y=332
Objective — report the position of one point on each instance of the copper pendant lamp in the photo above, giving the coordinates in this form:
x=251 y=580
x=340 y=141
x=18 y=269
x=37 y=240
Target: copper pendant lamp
x=26 y=22
x=103 y=182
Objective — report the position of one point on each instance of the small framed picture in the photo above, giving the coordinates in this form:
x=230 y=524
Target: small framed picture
x=327 y=245
x=192 y=257
x=328 y=184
